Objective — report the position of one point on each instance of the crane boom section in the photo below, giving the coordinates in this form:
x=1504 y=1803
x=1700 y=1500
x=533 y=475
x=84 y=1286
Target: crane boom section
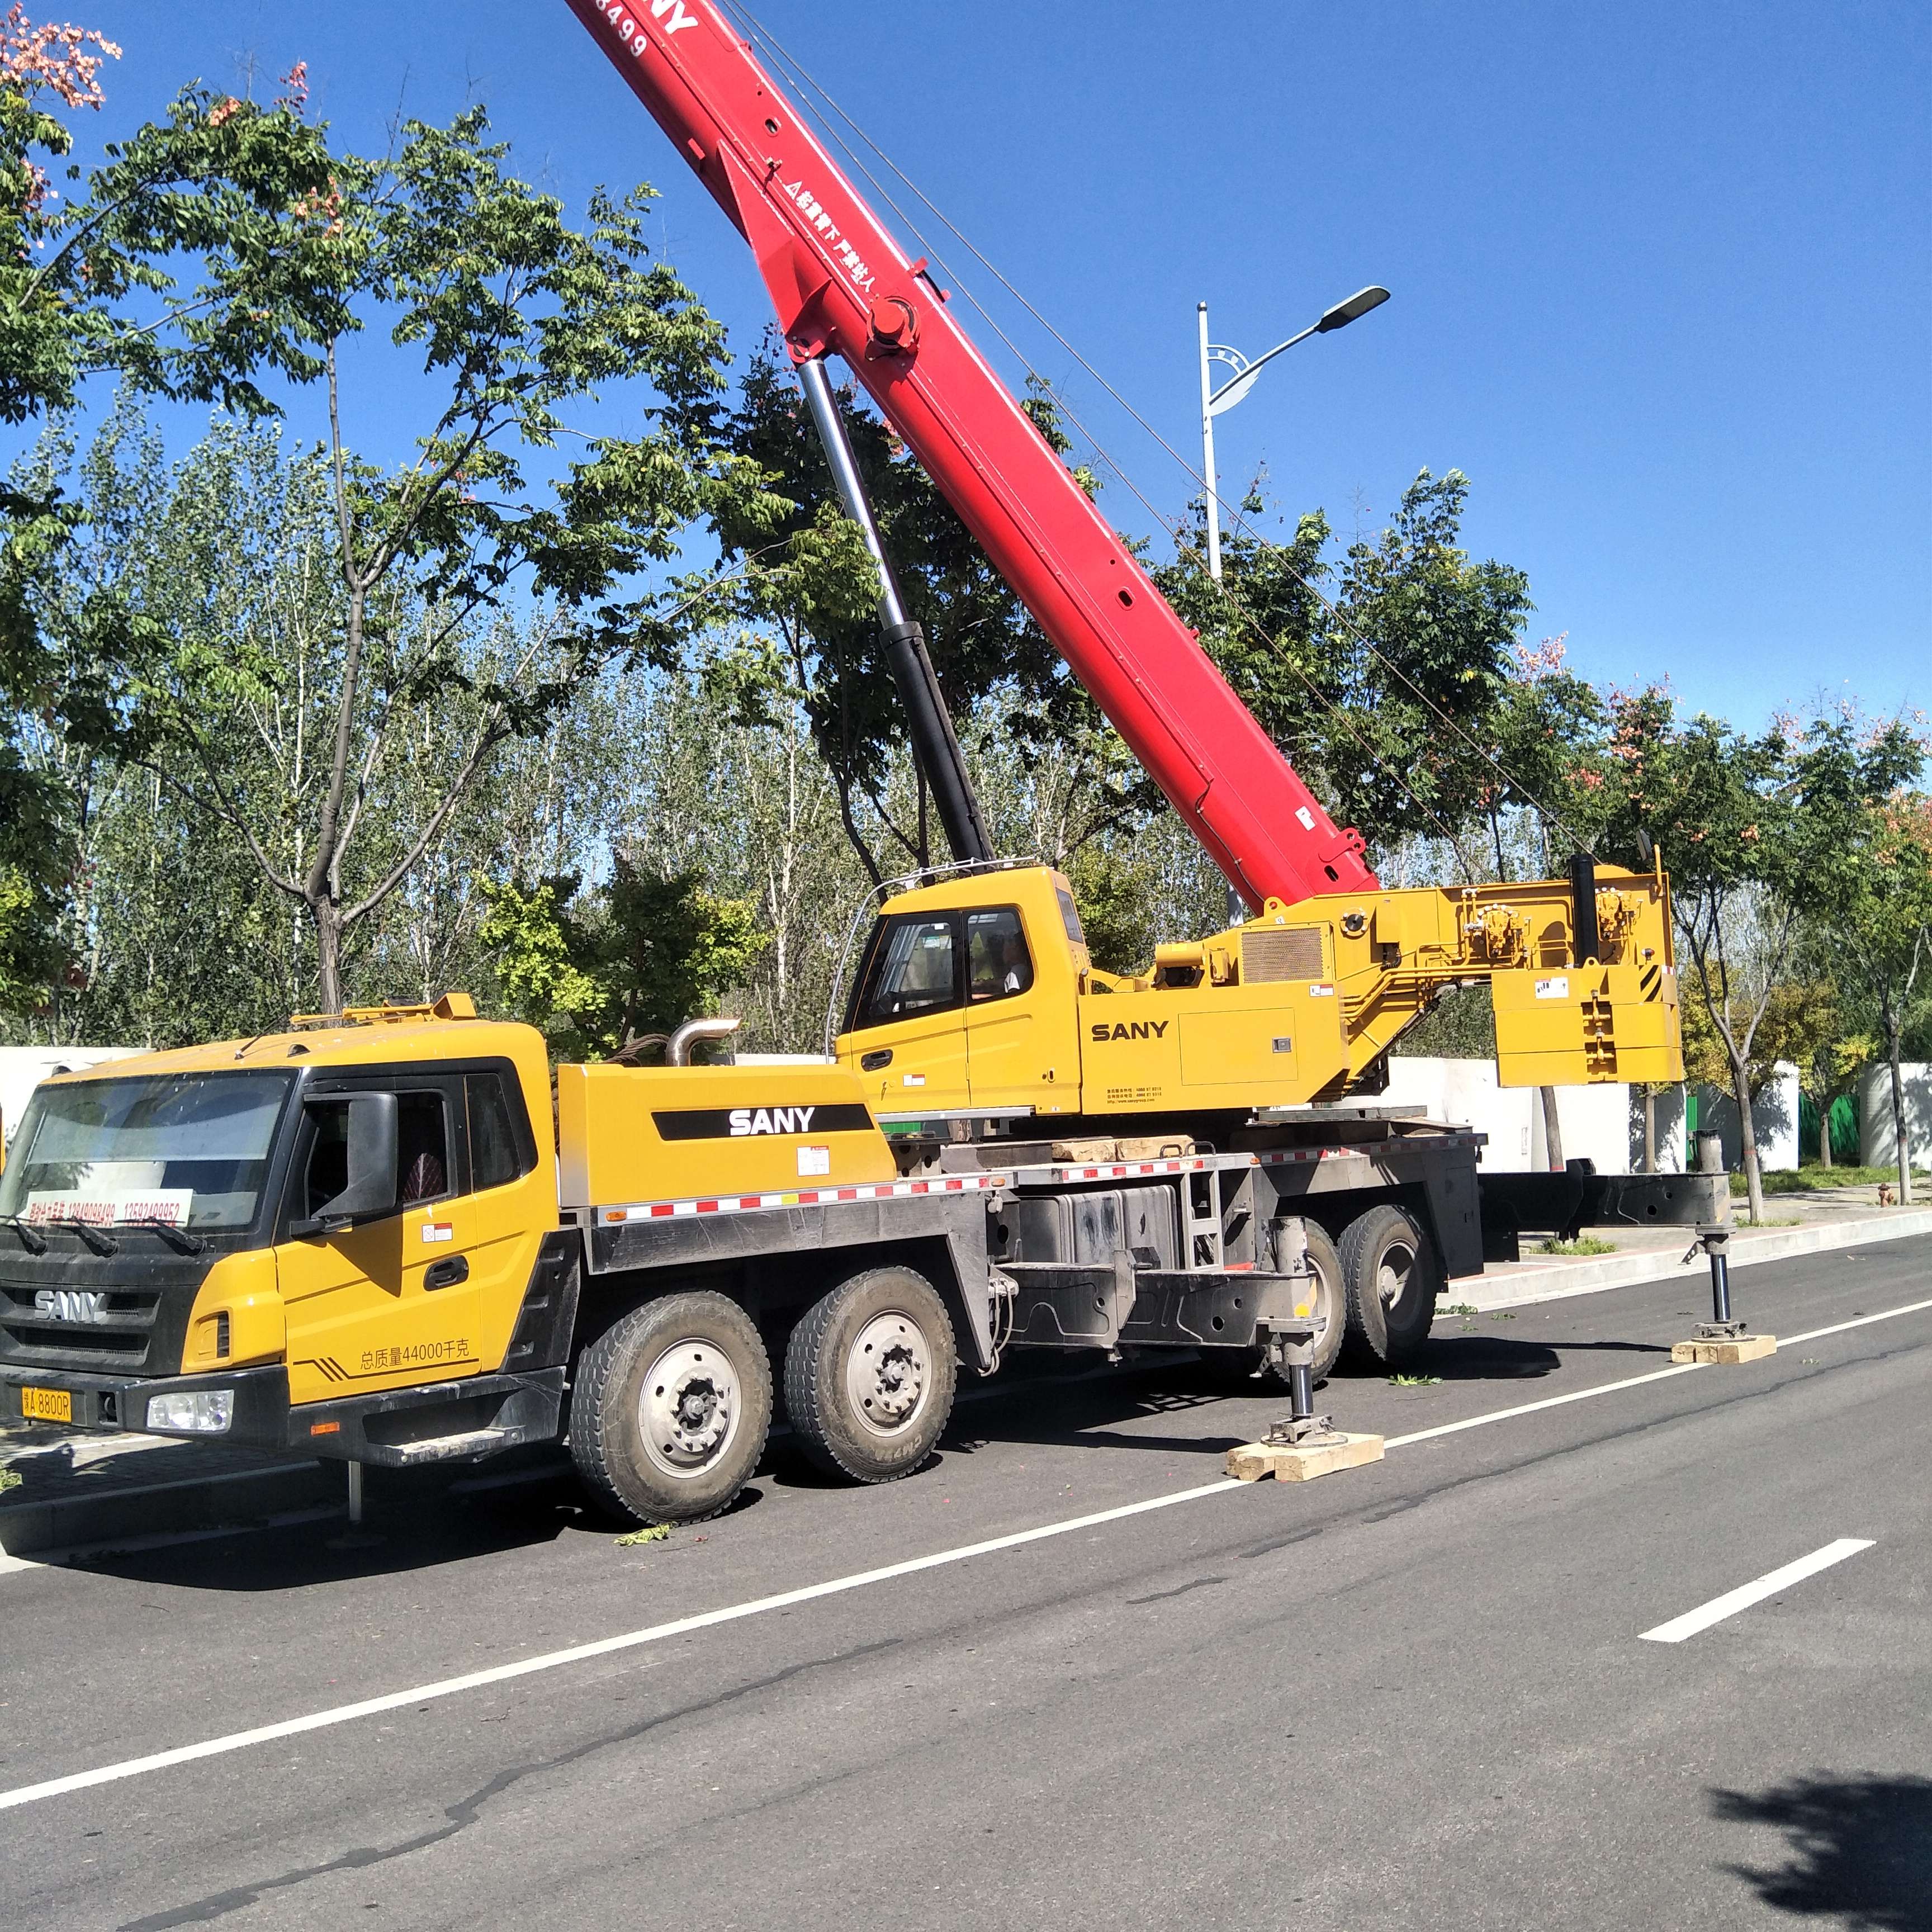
x=840 y=283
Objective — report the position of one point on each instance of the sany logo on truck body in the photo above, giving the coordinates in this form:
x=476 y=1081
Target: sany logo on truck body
x=1128 y=1030
x=631 y=29
x=772 y=1120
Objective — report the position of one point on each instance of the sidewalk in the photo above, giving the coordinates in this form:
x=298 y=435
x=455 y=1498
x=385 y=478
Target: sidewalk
x=1810 y=1222
x=78 y=1491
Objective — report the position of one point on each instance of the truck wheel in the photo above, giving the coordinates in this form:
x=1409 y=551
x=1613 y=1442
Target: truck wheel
x=670 y=1407
x=1236 y=1366
x=1390 y=1272
x=869 y=1374
x=1331 y=1299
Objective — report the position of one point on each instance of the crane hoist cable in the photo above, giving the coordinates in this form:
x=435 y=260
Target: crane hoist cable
x=801 y=75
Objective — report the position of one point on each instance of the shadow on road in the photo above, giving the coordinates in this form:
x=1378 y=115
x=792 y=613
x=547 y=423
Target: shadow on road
x=1861 y=1848
x=1485 y=1358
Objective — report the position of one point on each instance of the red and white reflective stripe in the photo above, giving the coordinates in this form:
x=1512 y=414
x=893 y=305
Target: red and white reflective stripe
x=1121 y=1170
x=801 y=1197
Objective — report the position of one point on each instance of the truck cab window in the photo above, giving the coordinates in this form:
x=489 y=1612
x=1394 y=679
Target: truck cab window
x=914 y=971
x=996 y=948
x=328 y=1154
x=496 y=1158
x=422 y=1148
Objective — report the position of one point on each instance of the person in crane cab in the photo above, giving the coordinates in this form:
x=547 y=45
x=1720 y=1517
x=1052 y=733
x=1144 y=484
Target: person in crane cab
x=1001 y=964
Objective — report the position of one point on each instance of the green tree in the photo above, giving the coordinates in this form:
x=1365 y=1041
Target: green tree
x=993 y=662
x=516 y=317
x=1875 y=901
x=1379 y=675
x=89 y=285
x=1757 y=832
x=611 y=971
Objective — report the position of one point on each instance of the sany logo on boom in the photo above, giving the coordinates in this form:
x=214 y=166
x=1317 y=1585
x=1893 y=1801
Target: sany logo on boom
x=631 y=29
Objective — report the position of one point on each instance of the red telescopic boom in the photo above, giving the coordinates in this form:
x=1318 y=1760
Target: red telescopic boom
x=841 y=285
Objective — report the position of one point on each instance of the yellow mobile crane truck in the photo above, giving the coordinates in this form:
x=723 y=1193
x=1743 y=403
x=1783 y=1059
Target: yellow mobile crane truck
x=375 y=1236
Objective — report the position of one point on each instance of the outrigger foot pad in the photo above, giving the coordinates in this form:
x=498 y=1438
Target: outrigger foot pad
x=1303 y=1461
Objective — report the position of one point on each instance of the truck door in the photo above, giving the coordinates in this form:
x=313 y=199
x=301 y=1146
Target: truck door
x=908 y=1026
x=1009 y=1062
x=392 y=1300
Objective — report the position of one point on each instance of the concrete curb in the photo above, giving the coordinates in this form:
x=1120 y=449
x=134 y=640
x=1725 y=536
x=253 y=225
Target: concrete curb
x=1562 y=1279
x=237 y=1497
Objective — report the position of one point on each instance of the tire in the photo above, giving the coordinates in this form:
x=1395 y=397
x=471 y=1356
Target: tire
x=670 y=1409
x=1392 y=1276
x=1234 y=1366
x=869 y=1375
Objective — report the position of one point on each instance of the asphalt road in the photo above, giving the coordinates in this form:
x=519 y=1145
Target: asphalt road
x=1418 y=1694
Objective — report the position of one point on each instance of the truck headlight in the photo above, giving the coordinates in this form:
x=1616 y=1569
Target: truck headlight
x=192 y=1412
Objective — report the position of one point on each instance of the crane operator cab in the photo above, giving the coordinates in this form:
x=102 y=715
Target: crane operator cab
x=978 y=993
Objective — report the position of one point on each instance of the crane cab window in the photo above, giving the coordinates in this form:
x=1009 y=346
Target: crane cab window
x=914 y=970
x=997 y=955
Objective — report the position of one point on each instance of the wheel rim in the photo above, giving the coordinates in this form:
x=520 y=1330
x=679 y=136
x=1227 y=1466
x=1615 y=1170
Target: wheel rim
x=889 y=1373
x=688 y=1407
x=1394 y=1272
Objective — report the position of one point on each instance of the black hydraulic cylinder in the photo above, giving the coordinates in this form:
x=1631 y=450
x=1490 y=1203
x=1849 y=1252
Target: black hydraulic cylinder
x=1300 y=1391
x=934 y=746
x=1720 y=1280
x=1583 y=907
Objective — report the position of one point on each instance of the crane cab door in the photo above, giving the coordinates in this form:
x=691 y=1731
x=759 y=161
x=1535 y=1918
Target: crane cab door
x=1016 y=1054
x=907 y=1034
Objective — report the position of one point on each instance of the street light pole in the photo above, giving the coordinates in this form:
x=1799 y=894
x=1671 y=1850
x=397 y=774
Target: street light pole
x=1215 y=402
x=1208 y=455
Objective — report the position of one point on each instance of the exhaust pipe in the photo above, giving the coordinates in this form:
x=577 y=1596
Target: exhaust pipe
x=677 y=1049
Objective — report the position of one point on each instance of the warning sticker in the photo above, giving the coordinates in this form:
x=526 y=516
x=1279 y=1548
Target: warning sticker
x=1557 y=989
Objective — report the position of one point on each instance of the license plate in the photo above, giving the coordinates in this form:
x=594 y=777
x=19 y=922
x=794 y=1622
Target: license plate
x=47 y=1405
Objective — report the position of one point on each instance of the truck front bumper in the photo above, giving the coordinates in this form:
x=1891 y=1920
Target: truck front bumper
x=118 y=1405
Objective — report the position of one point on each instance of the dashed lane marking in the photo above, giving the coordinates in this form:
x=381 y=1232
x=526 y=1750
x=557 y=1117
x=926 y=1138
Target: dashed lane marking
x=1746 y=1595
x=477 y=1680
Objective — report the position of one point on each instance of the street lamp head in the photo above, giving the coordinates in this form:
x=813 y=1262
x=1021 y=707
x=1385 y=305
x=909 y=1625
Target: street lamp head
x=1358 y=304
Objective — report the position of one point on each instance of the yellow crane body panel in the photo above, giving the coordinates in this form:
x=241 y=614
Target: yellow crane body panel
x=664 y=1133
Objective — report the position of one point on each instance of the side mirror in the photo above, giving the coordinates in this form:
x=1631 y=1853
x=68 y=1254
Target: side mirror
x=371 y=1145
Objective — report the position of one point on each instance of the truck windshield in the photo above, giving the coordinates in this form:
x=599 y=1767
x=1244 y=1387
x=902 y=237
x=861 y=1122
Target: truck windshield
x=192 y=1149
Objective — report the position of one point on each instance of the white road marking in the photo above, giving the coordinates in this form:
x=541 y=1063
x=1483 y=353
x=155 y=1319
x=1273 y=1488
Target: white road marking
x=1548 y=1401
x=451 y=1686
x=476 y=1680
x=1742 y=1598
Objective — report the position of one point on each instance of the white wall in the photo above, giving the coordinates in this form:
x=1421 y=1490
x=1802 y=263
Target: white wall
x=23 y=1068
x=1594 y=1121
x=1668 y=1144
x=1774 y=1118
x=1877 y=1147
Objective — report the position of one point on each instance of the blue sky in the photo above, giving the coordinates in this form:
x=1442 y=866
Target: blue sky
x=1662 y=274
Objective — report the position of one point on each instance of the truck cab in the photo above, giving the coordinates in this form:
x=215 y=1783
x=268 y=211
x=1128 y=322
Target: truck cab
x=263 y=1240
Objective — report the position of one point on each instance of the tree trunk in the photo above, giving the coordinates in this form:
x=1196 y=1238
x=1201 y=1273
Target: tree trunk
x=1825 y=1134
x=327 y=953
x=1893 y=1050
x=1650 y=1130
x=1747 y=1139
x=1552 y=1130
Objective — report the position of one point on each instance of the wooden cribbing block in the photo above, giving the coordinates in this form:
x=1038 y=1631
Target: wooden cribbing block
x=1253 y=1460
x=1745 y=1348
